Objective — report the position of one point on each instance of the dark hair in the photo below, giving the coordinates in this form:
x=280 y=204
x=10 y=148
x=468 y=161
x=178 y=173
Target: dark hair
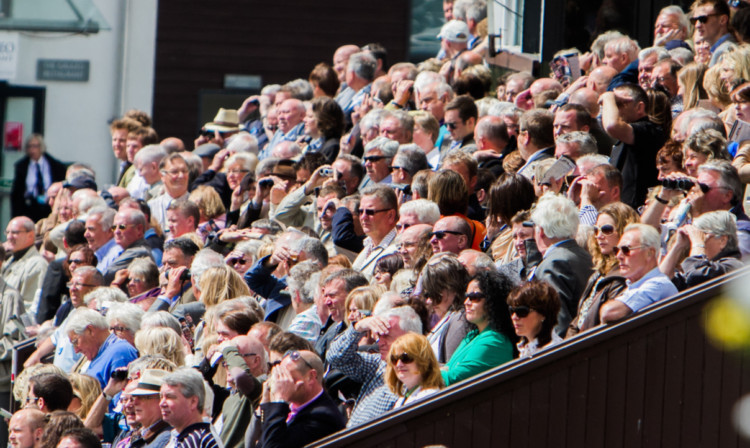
x=449 y=191
x=542 y=298
x=74 y=233
x=583 y=118
x=54 y=388
x=741 y=23
x=238 y=320
x=378 y=51
x=58 y=423
x=659 y=109
x=325 y=77
x=310 y=161
x=329 y=116
x=185 y=245
x=539 y=124
x=465 y=106
x=445 y=274
x=188 y=209
x=610 y=173
x=469 y=84
x=510 y=194
x=741 y=92
x=496 y=287
x=390 y=263
x=351 y=278
x=671 y=152
x=636 y=92
x=88 y=254
x=142 y=205
x=285 y=341
x=485 y=179
x=84 y=436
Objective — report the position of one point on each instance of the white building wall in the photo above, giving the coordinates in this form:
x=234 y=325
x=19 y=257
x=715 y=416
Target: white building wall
x=121 y=77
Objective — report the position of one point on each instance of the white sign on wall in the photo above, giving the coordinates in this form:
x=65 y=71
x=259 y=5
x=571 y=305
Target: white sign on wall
x=8 y=55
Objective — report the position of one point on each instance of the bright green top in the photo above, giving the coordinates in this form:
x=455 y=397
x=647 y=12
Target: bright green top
x=478 y=352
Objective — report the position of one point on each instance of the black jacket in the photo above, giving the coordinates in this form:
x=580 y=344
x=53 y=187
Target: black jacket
x=22 y=206
x=317 y=420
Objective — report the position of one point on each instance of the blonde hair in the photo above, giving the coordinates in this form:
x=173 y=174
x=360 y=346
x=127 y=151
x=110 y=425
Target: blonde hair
x=160 y=341
x=208 y=202
x=418 y=347
x=715 y=87
x=87 y=389
x=221 y=283
x=691 y=77
x=364 y=297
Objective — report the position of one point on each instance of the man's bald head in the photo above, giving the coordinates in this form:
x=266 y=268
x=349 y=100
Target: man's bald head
x=26 y=427
x=491 y=132
x=341 y=59
x=172 y=145
x=600 y=78
x=291 y=112
x=587 y=98
x=252 y=351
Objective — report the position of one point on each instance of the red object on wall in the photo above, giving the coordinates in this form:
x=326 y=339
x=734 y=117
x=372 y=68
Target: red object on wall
x=13 y=135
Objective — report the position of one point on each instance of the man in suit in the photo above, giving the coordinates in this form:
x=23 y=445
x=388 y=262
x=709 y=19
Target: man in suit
x=295 y=410
x=130 y=226
x=565 y=265
x=33 y=176
x=536 y=140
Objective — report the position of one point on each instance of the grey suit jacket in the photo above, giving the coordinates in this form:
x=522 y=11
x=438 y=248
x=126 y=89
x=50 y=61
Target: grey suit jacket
x=567 y=268
x=138 y=249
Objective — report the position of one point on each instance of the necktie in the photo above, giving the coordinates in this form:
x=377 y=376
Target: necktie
x=39 y=187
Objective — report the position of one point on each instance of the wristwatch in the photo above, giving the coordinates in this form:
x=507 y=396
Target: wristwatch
x=108 y=397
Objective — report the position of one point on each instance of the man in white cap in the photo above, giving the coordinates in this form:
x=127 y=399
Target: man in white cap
x=453 y=38
x=153 y=432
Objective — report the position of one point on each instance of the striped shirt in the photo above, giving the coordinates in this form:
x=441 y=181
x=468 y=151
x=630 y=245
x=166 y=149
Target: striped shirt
x=197 y=435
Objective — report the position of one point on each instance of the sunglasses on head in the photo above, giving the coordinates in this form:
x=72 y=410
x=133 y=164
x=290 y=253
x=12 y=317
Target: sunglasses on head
x=403 y=357
x=440 y=234
x=624 y=249
x=520 y=311
x=702 y=19
x=475 y=296
x=606 y=229
x=296 y=356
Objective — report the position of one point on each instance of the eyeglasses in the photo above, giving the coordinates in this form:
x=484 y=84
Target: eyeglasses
x=401 y=227
x=16 y=232
x=625 y=250
x=245 y=355
x=705 y=188
x=30 y=400
x=403 y=357
x=702 y=19
x=440 y=234
x=520 y=311
x=372 y=211
x=74 y=342
x=71 y=285
x=77 y=261
x=271 y=365
x=117 y=329
x=296 y=356
x=241 y=261
x=394 y=167
x=174 y=172
x=451 y=125
x=374 y=159
x=121 y=226
x=606 y=229
x=475 y=296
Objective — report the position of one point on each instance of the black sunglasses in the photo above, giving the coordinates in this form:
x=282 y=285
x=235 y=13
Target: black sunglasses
x=702 y=19
x=372 y=211
x=403 y=357
x=606 y=229
x=241 y=261
x=374 y=158
x=475 y=296
x=440 y=234
x=625 y=249
x=451 y=126
x=520 y=311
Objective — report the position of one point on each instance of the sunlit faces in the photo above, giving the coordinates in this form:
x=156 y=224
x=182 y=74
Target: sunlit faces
x=520 y=234
x=693 y=160
x=475 y=309
x=604 y=238
x=175 y=177
x=119 y=143
x=334 y=296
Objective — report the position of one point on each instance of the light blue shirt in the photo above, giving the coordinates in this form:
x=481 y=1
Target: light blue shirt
x=106 y=255
x=651 y=288
x=65 y=354
x=293 y=134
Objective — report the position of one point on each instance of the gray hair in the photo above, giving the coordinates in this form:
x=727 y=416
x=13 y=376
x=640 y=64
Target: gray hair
x=660 y=52
x=190 y=383
x=470 y=9
x=624 y=45
x=298 y=280
x=150 y=154
x=313 y=248
x=204 y=260
x=145 y=268
x=648 y=236
x=161 y=319
x=556 y=215
x=387 y=146
x=372 y=119
x=247 y=160
x=440 y=87
x=300 y=89
x=586 y=143
x=425 y=79
x=265 y=166
x=694 y=114
x=96 y=276
x=82 y=318
x=105 y=296
x=505 y=109
x=719 y=223
x=129 y=314
x=363 y=64
x=243 y=142
x=593 y=159
x=602 y=40
x=682 y=18
x=427 y=211
x=106 y=216
x=411 y=158
x=250 y=248
x=384 y=193
x=134 y=217
x=409 y=320
x=682 y=56
x=485 y=105
x=728 y=176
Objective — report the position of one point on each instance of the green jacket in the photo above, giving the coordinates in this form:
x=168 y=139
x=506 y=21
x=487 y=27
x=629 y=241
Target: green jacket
x=478 y=352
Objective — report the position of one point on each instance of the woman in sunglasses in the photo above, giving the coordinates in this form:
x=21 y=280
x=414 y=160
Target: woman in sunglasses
x=491 y=338
x=412 y=372
x=605 y=283
x=533 y=309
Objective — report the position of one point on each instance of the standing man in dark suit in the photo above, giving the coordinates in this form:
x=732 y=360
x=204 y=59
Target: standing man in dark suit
x=33 y=176
x=295 y=409
x=565 y=265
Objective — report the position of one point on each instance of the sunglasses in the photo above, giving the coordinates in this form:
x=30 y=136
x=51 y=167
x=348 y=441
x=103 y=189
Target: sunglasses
x=520 y=311
x=121 y=226
x=401 y=227
x=451 y=126
x=702 y=19
x=371 y=211
x=296 y=356
x=374 y=159
x=405 y=358
x=440 y=234
x=241 y=261
x=606 y=229
x=117 y=329
x=394 y=167
x=625 y=249
x=475 y=296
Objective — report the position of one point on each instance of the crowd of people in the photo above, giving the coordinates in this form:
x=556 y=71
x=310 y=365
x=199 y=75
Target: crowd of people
x=345 y=245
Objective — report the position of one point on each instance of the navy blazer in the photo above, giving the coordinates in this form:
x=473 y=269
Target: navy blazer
x=18 y=204
x=317 y=420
